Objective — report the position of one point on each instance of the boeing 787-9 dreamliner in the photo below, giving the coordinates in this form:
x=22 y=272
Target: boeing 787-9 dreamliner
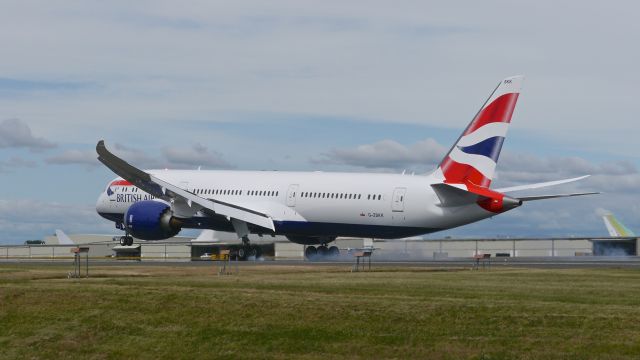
x=314 y=208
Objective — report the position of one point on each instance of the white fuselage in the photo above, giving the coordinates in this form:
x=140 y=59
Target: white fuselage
x=312 y=204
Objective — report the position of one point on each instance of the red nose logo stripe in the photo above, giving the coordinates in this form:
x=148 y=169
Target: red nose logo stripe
x=121 y=183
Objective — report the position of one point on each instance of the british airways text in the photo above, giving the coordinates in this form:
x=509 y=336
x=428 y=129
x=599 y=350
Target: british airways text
x=128 y=198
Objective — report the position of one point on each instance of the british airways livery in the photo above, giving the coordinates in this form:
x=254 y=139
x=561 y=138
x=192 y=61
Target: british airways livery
x=314 y=208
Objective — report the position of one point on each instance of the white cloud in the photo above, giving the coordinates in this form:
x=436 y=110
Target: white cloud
x=24 y=219
x=15 y=133
x=74 y=157
x=198 y=155
x=171 y=157
x=387 y=154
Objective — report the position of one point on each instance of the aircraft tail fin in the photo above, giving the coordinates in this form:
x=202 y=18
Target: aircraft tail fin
x=473 y=158
x=63 y=239
x=615 y=227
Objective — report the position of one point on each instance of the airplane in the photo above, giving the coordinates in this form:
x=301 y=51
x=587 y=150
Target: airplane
x=314 y=208
x=615 y=227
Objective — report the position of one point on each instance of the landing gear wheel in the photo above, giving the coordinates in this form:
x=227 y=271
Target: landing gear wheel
x=310 y=253
x=242 y=253
x=253 y=251
x=257 y=251
x=323 y=251
x=334 y=252
x=126 y=240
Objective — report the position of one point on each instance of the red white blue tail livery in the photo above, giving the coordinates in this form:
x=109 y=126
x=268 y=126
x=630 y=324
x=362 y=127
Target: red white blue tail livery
x=473 y=158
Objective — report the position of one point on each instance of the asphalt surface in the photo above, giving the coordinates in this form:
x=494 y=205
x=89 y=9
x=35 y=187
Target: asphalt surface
x=522 y=262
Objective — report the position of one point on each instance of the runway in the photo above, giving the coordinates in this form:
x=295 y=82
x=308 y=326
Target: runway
x=522 y=262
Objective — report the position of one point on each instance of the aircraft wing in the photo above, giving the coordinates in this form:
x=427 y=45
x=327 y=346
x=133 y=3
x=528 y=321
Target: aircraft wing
x=172 y=193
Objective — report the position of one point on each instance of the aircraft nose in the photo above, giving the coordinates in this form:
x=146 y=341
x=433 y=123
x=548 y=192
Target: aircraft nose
x=101 y=203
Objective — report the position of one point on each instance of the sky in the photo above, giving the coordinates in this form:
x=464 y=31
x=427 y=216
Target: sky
x=356 y=86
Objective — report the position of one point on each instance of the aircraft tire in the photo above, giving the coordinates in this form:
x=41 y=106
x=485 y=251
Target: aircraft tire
x=123 y=241
x=242 y=253
x=257 y=251
x=334 y=252
x=129 y=240
x=323 y=251
x=310 y=253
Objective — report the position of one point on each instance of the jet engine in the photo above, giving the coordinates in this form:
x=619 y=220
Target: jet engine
x=151 y=220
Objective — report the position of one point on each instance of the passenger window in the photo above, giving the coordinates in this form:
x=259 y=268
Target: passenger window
x=379 y=197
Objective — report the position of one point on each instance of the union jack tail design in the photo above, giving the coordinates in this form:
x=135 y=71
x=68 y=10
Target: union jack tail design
x=472 y=159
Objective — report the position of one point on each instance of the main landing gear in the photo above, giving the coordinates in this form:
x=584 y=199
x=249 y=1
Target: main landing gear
x=126 y=240
x=247 y=250
x=320 y=253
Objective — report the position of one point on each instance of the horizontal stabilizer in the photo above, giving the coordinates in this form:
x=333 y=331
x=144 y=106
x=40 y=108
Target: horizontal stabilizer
x=540 y=185
x=545 y=197
x=450 y=195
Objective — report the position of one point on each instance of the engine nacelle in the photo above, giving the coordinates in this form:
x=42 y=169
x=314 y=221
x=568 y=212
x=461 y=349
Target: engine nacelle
x=151 y=220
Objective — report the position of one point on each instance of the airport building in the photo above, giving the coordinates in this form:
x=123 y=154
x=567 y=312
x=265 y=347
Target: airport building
x=412 y=249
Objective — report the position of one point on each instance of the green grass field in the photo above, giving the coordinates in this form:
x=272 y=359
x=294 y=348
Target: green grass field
x=318 y=312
